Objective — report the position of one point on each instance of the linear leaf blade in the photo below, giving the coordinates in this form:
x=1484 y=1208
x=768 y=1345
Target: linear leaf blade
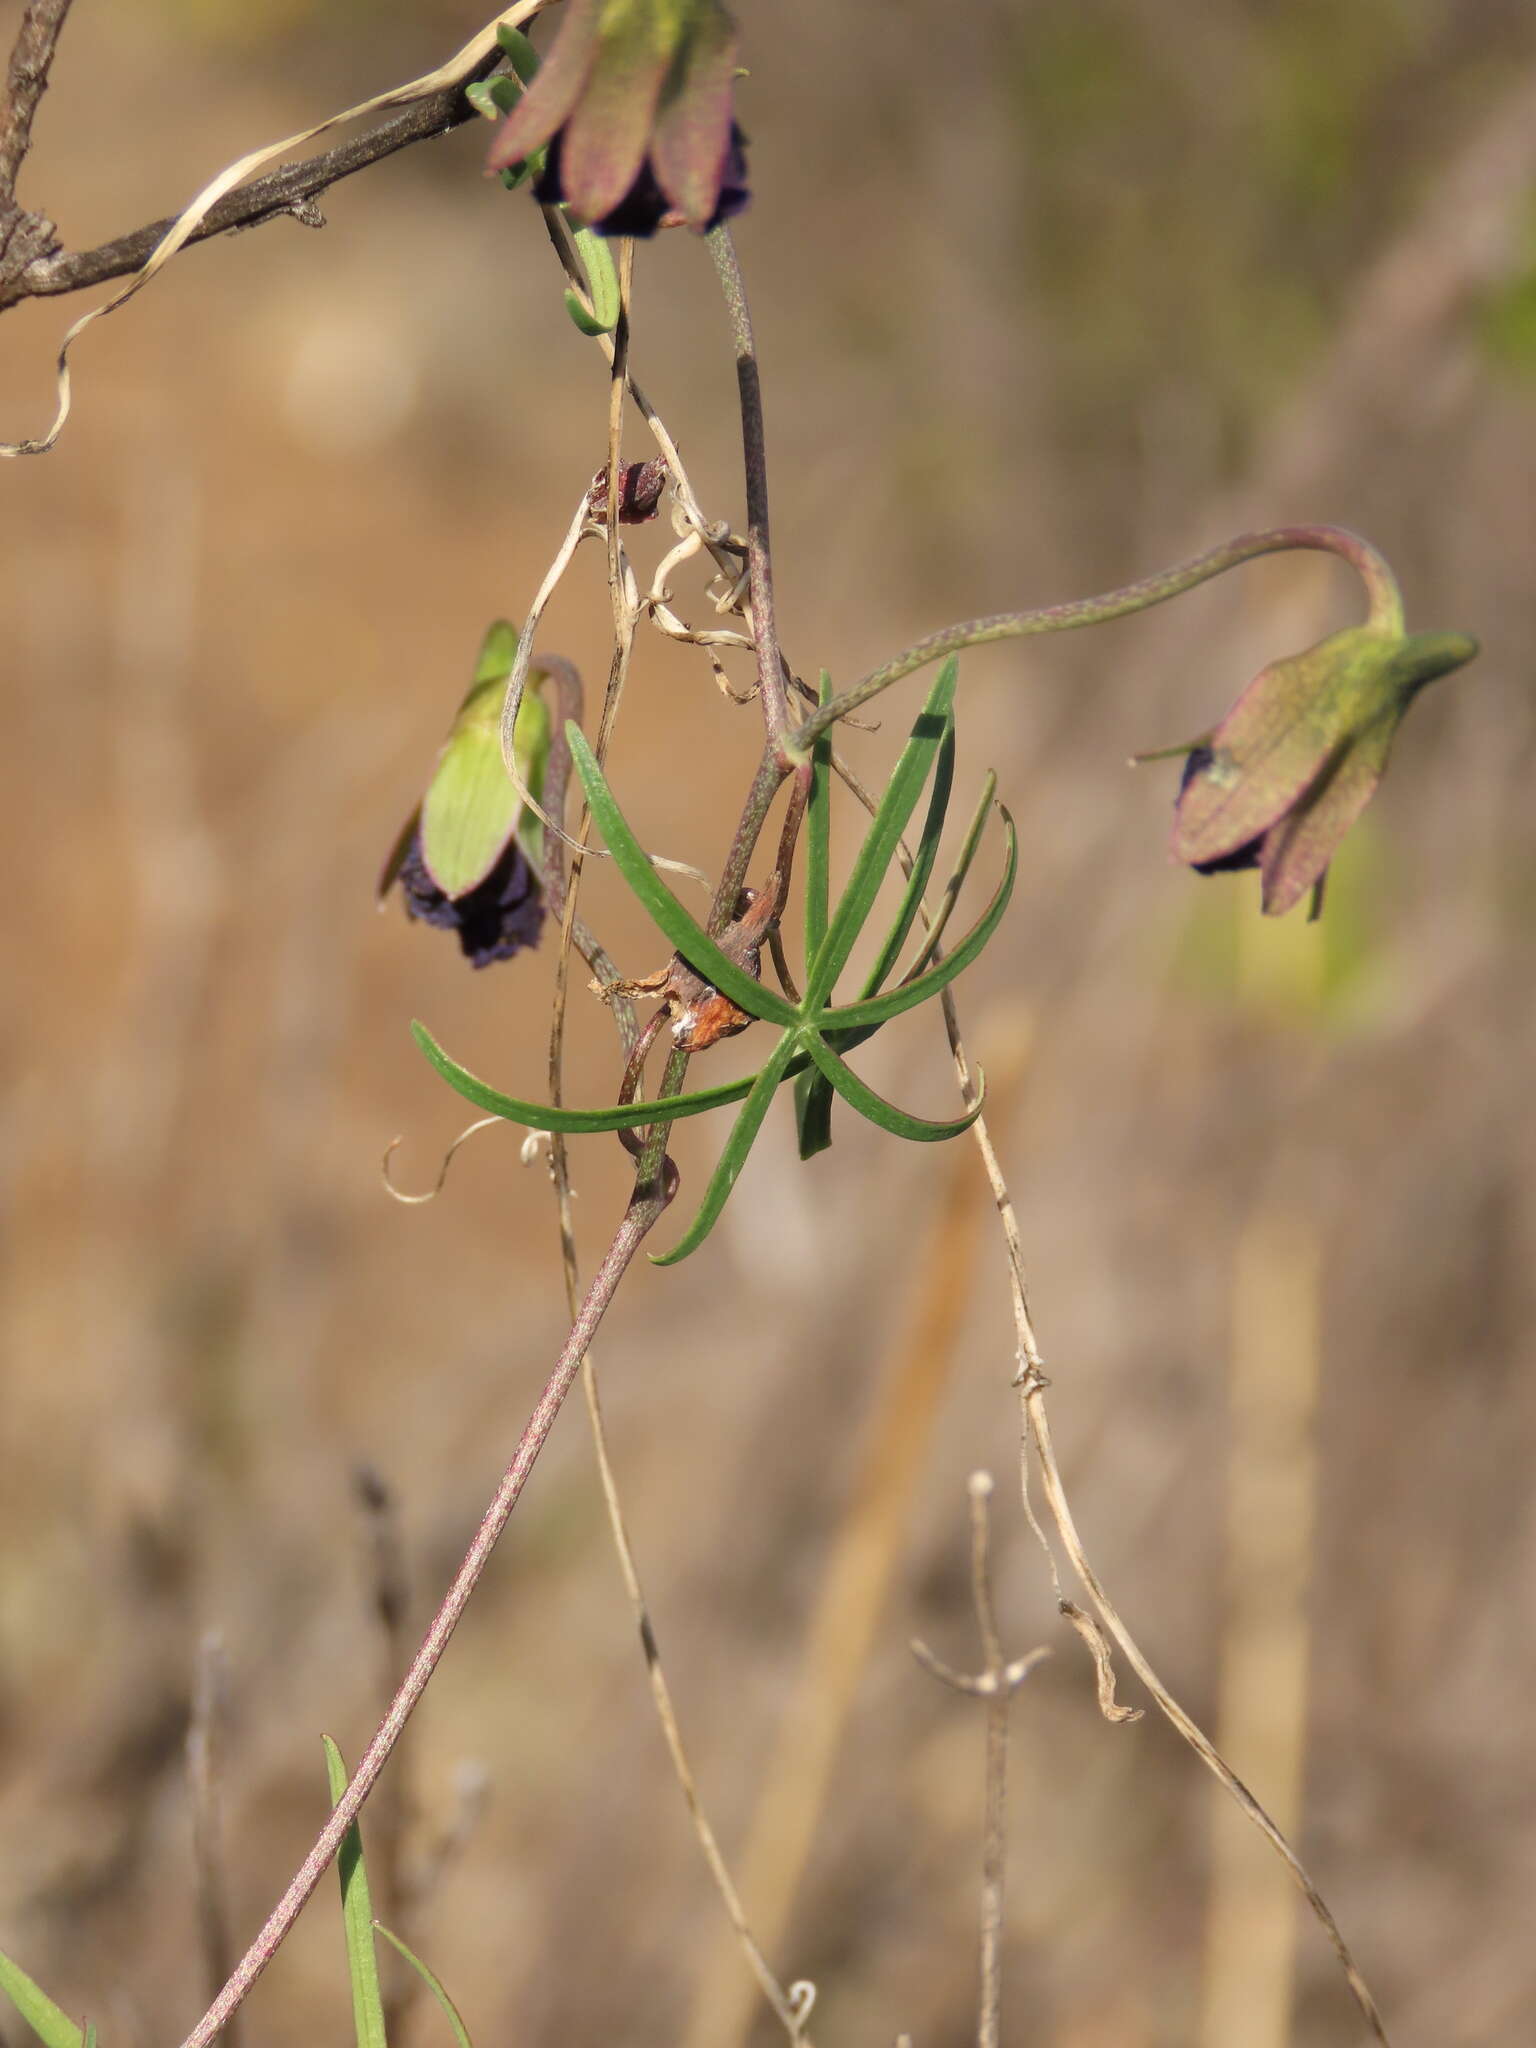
x=900 y=1122
x=544 y=1116
x=357 y=1917
x=683 y=929
x=48 y=2021
x=813 y=1113
x=734 y=1155
x=886 y=827
x=956 y=882
x=880 y=1009
x=922 y=864
x=433 y=1983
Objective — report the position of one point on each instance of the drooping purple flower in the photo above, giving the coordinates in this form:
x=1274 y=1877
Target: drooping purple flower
x=633 y=107
x=1290 y=768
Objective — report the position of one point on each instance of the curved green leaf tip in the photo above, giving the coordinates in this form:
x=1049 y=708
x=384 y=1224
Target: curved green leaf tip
x=433 y=1983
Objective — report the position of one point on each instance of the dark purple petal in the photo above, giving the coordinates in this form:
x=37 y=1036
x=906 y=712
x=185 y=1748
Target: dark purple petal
x=645 y=207
x=494 y=920
x=734 y=193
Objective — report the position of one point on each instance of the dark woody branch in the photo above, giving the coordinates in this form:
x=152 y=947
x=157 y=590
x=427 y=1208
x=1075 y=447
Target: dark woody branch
x=45 y=270
x=26 y=82
x=23 y=235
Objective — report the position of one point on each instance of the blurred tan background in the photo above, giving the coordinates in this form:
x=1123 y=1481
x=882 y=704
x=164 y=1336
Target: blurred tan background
x=1049 y=294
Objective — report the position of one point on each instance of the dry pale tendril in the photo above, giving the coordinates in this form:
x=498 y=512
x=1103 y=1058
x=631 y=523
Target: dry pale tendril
x=698 y=534
x=411 y=1201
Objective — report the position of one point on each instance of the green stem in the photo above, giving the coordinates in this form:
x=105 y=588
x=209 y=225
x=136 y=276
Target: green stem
x=1384 y=601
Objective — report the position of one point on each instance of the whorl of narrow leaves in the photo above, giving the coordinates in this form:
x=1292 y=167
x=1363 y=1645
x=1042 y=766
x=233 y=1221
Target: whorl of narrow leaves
x=814 y=1033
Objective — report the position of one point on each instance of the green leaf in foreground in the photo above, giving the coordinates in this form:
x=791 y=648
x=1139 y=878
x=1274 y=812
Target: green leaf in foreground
x=357 y=1914
x=678 y=924
x=433 y=1984
x=543 y=1116
x=879 y=849
x=602 y=286
x=52 y=2027
x=734 y=1155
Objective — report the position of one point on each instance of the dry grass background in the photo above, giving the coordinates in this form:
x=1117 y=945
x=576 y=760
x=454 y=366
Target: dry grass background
x=1048 y=294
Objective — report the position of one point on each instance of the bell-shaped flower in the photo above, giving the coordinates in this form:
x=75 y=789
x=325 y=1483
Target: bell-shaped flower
x=633 y=109
x=465 y=857
x=1295 y=761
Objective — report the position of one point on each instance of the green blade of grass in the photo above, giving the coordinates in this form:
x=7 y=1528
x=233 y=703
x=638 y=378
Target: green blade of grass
x=686 y=933
x=900 y=1122
x=879 y=848
x=357 y=1916
x=52 y=2026
x=734 y=1156
x=433 y=1984
x=544 y=1116
x=880 y=1009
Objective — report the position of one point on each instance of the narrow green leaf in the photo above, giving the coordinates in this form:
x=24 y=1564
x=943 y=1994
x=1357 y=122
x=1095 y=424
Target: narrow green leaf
x=922 y=865
x=879 y=848
x=357 y=1915
x=908 y=994
x=864 y=1099
x=514 y=44
x=51 y=2026
x=543 y=1116
x=489 y=103
x=90 y=2034
x=813 y=1114
x=433 y=1983
x=956 y=882
x=685 y=932
x=602 y=286
x=743 y=1134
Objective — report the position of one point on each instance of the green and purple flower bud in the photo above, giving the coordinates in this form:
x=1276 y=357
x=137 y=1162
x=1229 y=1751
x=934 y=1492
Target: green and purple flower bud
x=465 y=858
x=1290 y=768
x=633 y=111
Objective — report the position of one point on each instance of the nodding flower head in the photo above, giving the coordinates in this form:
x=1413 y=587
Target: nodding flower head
x=1290 y=768
x=633 y=111
x=465 y=857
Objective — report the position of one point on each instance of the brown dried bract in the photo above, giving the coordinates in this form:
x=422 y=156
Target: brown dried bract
x=700 y=1015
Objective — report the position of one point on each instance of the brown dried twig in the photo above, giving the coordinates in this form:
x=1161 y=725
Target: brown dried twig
x=26 y=82
x=24 y=236
x=997 y=1682
x=40 y=269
